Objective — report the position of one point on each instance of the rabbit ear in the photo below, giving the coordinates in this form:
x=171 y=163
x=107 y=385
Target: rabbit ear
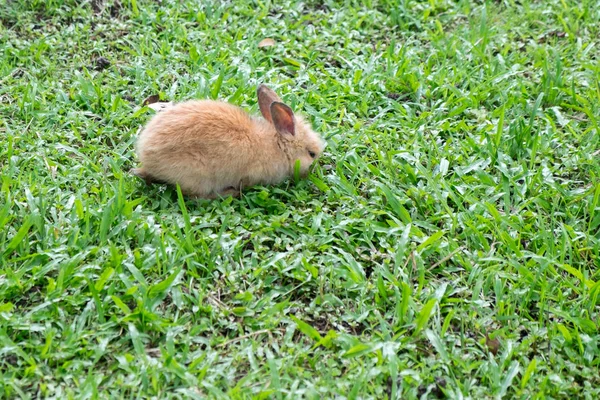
x=283 y=119
x=266 y=97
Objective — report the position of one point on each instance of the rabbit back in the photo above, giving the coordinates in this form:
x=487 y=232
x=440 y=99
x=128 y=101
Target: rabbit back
x=205 y=146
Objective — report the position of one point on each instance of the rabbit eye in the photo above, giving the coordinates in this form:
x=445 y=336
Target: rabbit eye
x=312 y=154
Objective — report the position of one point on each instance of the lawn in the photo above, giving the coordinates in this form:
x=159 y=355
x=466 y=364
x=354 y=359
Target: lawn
x=446 y=245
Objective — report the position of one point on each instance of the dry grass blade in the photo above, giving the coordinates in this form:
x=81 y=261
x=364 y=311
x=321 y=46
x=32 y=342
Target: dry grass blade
x=268 y=42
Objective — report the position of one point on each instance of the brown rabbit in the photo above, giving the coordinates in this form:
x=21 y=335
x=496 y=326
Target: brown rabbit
x=212 y=148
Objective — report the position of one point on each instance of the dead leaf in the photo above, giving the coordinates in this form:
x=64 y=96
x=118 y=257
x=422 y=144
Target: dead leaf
x=101 y=63
x=151 y=100
x=544 y=37
x=268 y=42
x=154 y=103
x=493 y=345
x=160 y=106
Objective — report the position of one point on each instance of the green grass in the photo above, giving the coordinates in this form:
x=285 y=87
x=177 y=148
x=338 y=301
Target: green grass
x=446 y=245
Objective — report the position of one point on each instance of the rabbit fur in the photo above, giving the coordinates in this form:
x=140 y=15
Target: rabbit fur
x=214 y=149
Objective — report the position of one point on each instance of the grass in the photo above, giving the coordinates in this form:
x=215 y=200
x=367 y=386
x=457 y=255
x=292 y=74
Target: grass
x=447 y=244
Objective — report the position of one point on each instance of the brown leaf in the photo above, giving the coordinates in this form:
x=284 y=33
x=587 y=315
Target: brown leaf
x=493 y=345
x=268 y=42
x=544 y=37
x=151 y=100
x=160 y=106
x=101 y=63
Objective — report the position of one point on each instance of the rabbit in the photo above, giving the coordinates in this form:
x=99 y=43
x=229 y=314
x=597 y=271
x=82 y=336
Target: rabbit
x=214 y=149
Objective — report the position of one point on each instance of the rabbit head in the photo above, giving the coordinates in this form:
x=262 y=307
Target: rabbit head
x=295 y=136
